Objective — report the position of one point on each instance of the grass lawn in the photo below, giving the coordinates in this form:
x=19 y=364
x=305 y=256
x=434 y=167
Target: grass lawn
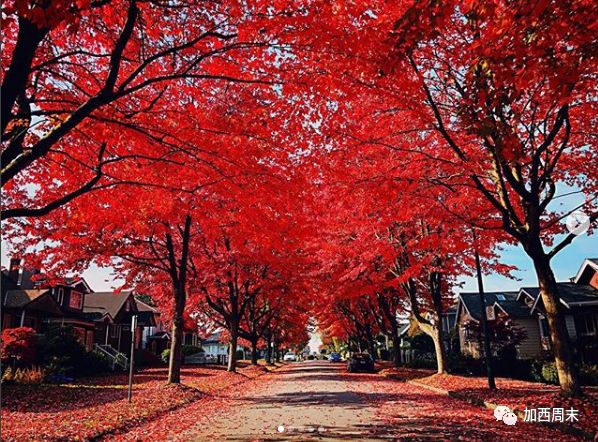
x=513 y=393
x=95 y=406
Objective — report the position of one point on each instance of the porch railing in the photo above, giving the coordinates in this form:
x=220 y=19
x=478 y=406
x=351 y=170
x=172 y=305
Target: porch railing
x=117 y=358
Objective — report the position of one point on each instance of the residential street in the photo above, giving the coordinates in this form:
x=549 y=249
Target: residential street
x=318 y=400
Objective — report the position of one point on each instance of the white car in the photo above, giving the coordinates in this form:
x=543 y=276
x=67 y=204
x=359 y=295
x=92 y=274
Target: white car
x=290 y=356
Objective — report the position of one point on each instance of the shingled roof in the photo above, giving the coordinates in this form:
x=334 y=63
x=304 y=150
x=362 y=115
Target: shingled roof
x=571 y=294
x=40 y=299
x=471 y=301
x=105 y=303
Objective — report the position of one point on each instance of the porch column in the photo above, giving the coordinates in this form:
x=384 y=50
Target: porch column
x=22 y=318
x=107 y=333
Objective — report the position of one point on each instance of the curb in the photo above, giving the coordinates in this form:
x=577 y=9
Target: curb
x=578 y=432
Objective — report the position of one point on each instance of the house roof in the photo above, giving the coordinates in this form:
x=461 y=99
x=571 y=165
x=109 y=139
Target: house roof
x=20 y=298
x=571 y=294
x=588 y=268
x=105 y=302
x=33 y=299
x=471 y=301
x=515 y=309
x=214 y=338
x=143 y=307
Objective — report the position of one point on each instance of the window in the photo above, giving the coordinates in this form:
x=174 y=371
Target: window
x=60 y=295
x=588 y=324
x=76 y=300
x=114 y=331
x=501 y=297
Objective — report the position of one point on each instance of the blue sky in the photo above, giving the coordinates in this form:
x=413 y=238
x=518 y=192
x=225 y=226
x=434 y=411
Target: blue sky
x=565 y=265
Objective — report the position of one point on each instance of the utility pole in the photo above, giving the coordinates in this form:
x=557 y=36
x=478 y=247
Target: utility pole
x=132 y=358
x=484 y=319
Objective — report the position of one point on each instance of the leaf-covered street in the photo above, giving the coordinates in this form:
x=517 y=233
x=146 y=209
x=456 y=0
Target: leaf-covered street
x=320 y=401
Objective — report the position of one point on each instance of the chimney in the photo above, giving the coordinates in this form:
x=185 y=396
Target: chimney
x=15 y=271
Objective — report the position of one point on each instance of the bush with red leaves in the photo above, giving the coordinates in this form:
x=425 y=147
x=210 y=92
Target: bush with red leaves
x=18 y=344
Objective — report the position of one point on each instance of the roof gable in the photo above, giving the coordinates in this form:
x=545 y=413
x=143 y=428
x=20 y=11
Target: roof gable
x=40 y=299
x=111 y=303
x=473 y=306
x=587 y=270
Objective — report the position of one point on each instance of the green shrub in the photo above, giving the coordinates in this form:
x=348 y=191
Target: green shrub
x=240 y=354
x=63 y=355
x=464 y=364
x=424 y=361
x=94 y=363
x=549 y=373
x=186 y=350
x=145 y=358
x=536 y=371
x=62 y=352
x=422 y=343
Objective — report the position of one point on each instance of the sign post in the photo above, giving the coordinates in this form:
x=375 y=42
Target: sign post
x=132 y=358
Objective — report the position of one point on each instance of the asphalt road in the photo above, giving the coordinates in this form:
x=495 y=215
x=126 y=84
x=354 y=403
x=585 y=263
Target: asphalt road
x=320 y=401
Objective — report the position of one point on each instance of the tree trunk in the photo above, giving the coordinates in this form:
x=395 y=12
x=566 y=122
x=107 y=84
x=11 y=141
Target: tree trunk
x=276 y=351
x=253 y=352
x=563 y=356
x=439 y=348
x=175 y=360
x=396 y=346
x=15 y=79
x=269 y=349
x=232 y=351
x=372 y=345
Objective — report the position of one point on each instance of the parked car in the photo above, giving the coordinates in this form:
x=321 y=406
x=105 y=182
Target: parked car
x=360 y=362
x=335 y=357
x=290 y=356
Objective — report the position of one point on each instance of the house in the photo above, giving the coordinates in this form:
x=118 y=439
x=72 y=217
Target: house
x=97 y=318
x=579 y=304
x=28 y=301
x=213 y=346
x=497 y=304
x=112 y=312
x=525 y=309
